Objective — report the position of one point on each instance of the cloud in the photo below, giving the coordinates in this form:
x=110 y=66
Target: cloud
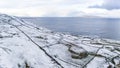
x=96 y=12
x=108 y=4
x=60 y=8
x=34 y=3
x=45 y=7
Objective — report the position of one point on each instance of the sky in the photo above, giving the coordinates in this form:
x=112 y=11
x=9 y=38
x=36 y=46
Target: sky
x=61 y=8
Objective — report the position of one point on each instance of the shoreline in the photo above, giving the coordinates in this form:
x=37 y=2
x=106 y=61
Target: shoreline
x=23 y=44
x=104 y=28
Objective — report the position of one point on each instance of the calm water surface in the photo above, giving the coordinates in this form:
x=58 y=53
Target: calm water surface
x=103 y=27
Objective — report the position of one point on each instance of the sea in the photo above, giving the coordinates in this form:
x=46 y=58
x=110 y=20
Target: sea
x=108 y=28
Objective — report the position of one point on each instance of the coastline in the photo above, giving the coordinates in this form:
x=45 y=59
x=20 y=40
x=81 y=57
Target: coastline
x=26 y=45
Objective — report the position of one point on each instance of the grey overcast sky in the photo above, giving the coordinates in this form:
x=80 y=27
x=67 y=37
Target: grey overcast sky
x=61 y=8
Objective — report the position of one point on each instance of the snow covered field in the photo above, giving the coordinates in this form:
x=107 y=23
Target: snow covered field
x=24 y=45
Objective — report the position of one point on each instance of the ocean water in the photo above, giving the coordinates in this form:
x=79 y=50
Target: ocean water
x=102 y=27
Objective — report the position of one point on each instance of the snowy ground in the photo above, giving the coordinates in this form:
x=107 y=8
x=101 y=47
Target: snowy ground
x=24 y=45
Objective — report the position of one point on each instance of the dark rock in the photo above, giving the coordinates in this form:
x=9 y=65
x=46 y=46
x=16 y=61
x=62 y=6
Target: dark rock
x=77 y=53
